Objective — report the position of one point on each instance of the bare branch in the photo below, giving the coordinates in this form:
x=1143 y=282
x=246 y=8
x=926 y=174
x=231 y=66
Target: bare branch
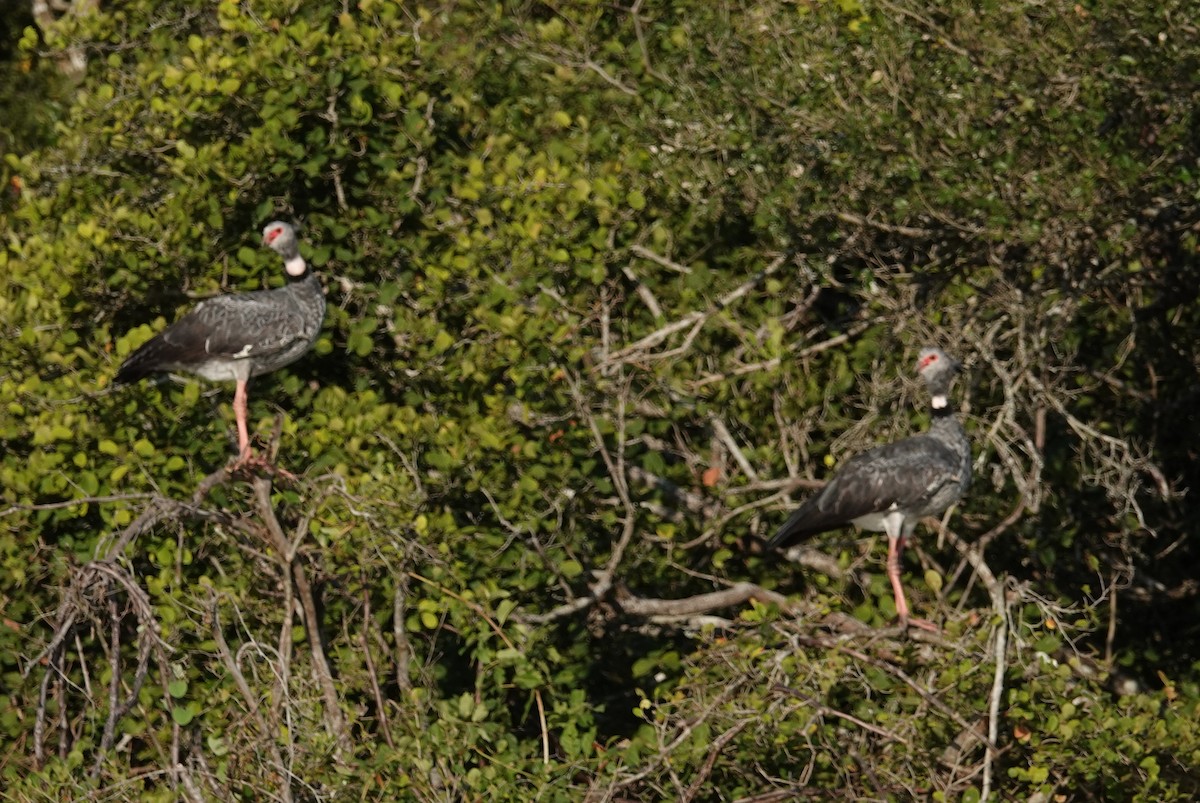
x=266 y=733
x=377 y=693
x=974 y=555
x=335 y=723
x=824 y=710
x=646 y=253
x=643 y=292
x=688 y=728
x=717 y=746
x=691 y=501
x=692 y=319
x=736 y=594
x=859 y=220
x=726 y=437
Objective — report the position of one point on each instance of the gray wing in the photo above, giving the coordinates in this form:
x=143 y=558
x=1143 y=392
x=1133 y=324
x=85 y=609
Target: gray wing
x=246 y=325
x=906 y=475
x=256 y=324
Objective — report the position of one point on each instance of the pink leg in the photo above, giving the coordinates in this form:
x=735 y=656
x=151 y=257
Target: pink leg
x=895 y=548
x=240 y=412
x=245 y=457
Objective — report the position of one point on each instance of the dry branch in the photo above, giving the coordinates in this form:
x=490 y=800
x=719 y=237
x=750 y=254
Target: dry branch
x=690 y=501
x=696 y=319
x=726 y=437
x=266 y=733
x=335 y=722
x=893 y=670
x=717 y=746
x=376 y=691
x=974 y=556
x=823 y=710
x=646 y=253
x=736 y=594
x=688 y=728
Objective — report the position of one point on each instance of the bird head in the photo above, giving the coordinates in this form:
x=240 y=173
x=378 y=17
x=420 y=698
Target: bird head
x=279 y=235
x=937 y=368
x=281 y=238
x=933 y=360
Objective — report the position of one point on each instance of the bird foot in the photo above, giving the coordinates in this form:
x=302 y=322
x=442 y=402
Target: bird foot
x=249 y=462
x=923 y=624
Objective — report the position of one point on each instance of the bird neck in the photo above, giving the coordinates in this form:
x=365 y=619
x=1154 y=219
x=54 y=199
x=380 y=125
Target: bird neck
x=939 y=406
x=295 y=266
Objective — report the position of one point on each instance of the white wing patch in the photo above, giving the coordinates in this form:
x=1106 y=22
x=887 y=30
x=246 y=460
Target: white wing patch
x=245 y=352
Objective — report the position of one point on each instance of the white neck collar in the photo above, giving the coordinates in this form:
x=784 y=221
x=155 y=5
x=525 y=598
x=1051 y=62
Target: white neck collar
x=295 y=266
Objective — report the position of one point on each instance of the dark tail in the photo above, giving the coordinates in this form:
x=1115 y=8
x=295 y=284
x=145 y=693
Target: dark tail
x=142 y=363
x=128 y=374
x=790 y=532
x=805 y=522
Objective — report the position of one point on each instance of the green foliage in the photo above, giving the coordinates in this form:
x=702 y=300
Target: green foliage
x=596 y=275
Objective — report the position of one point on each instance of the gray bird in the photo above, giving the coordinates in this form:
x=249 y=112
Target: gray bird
x=892 y=487
x=236 y=336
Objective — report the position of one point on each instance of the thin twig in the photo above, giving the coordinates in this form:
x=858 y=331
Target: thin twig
x=370 y=666
x=823 y=710
x=942 y=37
x=859 y=220
x=895 y=671
x=711 y=759
x=53 y=670
x=483 y=614
x=603 y=583
x=691 y=319
x=684 y=733
x=691 y=501
x=402 y=648
x=83 y=500
x=616 y=472
x=726 y=437
x=643 y=292
x=541 y=707
x=974 y=556
x=193 y=793
x=266 y=733
x=645 y=51
x=646 y=253
x=334 y=721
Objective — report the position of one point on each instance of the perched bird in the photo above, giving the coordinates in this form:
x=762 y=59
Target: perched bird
x=239 y=335
x=892 y=487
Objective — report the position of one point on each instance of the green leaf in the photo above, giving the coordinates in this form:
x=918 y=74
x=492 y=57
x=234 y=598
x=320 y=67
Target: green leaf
x=933 y=579
x=442 y=341
x=503 y=609
x=217 y=745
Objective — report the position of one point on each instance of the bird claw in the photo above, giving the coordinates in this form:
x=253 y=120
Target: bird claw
x=923 y=624
x=248 y=461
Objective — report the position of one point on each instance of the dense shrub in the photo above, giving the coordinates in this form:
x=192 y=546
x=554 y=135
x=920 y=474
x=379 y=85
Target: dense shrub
x=606 y=285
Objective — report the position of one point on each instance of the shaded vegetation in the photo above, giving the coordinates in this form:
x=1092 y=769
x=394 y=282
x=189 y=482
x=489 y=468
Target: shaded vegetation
x=607 y=284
